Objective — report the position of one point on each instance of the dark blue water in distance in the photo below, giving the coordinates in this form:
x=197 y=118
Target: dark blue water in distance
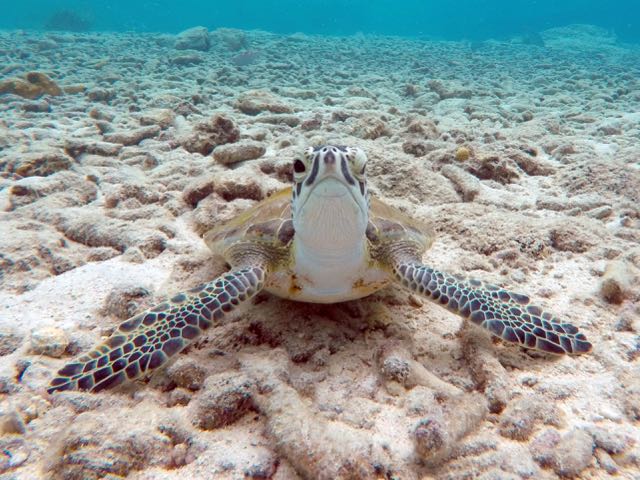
x=441 y=19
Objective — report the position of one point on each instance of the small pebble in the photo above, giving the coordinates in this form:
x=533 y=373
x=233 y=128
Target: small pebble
x=430 y=436
x=543 y=447
x=179 y=396
x=616 y=282
x=11 y=422
x=124 y=301
x=573 y=453
x=50 y=341
x=9 y=342
x=41 y=106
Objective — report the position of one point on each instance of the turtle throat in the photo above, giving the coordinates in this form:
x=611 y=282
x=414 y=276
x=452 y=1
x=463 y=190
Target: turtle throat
x=330 y=226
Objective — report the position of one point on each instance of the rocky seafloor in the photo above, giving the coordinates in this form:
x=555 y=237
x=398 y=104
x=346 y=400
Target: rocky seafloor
x=118 y=151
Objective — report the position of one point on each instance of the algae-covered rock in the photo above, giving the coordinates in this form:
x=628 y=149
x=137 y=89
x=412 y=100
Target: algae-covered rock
x=32 y=86
x=39 y=164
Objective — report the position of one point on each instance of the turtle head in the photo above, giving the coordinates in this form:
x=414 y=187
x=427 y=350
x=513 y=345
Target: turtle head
x=330 y=201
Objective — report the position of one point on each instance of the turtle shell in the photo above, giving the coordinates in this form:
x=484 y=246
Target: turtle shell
x=268 y=222
x=388 y=224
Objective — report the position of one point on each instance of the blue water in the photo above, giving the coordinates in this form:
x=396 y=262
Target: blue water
x=454 y=20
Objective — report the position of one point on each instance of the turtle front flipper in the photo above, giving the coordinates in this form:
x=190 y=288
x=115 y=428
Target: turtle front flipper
x=148 y=340
x=505 y=314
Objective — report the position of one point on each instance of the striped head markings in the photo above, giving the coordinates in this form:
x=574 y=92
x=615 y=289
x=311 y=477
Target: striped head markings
x=330 y=172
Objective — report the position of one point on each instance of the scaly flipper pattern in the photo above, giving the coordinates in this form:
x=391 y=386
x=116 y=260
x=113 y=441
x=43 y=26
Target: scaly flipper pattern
x=505 y=314
x=147 y=341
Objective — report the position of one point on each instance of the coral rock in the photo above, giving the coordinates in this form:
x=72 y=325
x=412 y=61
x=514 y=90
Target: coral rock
x=163 y=117
x=9 y=341
x=572 y=236
x=100 y=95
x=197 y=190
x=40 y=164
x=184 y=60
x=187 y=373
x=253 y=102
x=77 y=147
x=438 y=432
x=573 y=453
x=218 y=130
x=97 y=446
x=41 y=106
x=370 y=127
x=567 y=455
x=465 y=183
x=124 y=301
x=418 y=148
x=494 y=168
x=196 y=38
x=520 y=418
x=133 y=137
x=72 y=89
x=238 y=152
x=232 y=38
x=226 y=398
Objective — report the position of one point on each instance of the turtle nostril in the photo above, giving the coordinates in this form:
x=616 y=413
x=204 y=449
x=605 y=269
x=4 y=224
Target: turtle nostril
x=330 y=158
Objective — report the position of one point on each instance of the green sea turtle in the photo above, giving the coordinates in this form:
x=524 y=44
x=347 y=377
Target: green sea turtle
x=324 y=240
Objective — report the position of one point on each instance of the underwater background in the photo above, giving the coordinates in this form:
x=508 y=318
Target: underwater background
x=128 y=130
x=462 y=19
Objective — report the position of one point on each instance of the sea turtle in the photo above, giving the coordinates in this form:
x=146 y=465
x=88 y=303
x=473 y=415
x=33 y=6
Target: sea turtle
x=323 y=240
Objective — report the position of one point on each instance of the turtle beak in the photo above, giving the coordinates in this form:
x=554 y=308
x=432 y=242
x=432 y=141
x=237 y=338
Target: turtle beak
x=330 y=162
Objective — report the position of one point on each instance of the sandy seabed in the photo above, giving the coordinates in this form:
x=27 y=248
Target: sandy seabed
x=524 y=157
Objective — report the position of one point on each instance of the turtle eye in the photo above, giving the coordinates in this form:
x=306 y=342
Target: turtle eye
x=359 y=159
x=299 y=166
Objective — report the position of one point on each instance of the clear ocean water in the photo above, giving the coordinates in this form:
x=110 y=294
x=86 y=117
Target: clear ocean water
x=455 y=20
